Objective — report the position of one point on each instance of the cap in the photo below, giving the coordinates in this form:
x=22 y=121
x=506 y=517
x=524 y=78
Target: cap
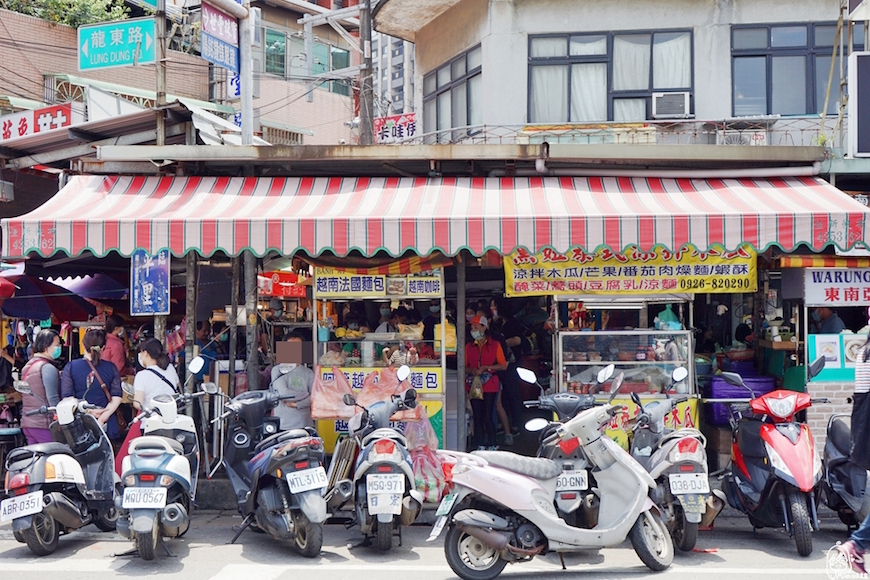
x=481 y=320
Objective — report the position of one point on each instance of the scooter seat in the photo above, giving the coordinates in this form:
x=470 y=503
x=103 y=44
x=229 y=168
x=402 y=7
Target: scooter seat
x=53 y=448
x=531 y=466
x=280 y=437
x=840 y=435
x=155 y=442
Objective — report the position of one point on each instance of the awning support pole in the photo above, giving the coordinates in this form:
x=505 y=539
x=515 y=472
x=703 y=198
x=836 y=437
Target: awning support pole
x=251 y=364
x=190 y=315
x=234 y=330
x=462 y=427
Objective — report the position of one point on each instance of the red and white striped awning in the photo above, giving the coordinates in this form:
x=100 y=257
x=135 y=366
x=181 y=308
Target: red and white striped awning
x=102 y=214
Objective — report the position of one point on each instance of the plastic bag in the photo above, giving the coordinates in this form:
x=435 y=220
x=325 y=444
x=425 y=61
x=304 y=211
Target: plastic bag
x=450 y=338
x=476 y=390
x=411 y=331
x=428 y=474
x=381 y=388
x=421 y=435
x=327 y=397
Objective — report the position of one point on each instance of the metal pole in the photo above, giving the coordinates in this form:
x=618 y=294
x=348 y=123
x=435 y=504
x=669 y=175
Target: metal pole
x=160 y=319
x=234 y=330
x=366 y=98
x=246 y=76
x=190 y=315
x=252 y=336
x=309 y=61
x=462 y=431
x=160 y=31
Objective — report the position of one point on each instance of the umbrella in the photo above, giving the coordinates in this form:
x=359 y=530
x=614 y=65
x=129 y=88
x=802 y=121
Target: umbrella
x=97 y=287
x=41 y=300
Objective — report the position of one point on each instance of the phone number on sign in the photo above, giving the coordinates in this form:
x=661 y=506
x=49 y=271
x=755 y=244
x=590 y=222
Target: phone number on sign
x=715 y=284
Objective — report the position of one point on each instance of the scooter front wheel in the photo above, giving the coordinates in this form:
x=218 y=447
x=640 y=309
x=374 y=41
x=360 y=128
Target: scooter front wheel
x=650 y=538
x=42 y=535
x=800 y=522
x=470 y=558
x=146 y=544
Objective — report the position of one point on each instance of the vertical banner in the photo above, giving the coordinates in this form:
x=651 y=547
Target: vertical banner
x=149 y=283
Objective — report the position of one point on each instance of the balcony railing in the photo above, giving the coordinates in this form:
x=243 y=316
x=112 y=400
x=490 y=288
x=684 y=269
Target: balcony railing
x=755 y=131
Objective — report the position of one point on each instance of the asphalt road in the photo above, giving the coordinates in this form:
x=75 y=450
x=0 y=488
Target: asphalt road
x=729 y=551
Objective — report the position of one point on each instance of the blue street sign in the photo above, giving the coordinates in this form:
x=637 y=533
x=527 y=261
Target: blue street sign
x=221 y=53
x=119 y=43
x=149 y=283
x=234 y=87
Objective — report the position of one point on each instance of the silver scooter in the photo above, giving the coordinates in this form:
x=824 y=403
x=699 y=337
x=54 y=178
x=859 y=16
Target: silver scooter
x=500 y=508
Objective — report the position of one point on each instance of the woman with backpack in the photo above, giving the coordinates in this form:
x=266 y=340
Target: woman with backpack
x=157 y=377
x=44 y=380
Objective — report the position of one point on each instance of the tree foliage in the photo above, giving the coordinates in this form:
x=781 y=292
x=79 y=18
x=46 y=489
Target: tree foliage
x=70 y=12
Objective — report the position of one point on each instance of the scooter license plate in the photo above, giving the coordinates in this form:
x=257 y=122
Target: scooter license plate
x=572 y=481
x=23 y=505
x=307 y=479
x=144 y=497
x=384 y=503
x=385 y=483
x=446 y=505
x=682 y=483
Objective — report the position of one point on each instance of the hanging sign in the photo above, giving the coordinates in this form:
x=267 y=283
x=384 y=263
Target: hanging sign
x=281 y=284
x=837 y=287
x=149 y=283
x=658 y=271
x=330 y=283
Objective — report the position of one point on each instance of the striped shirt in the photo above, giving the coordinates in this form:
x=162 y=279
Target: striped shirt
x=862 y=371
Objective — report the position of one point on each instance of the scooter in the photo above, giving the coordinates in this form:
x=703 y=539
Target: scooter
x=159 y=474
x=277 y=476
x=775 y=467
x=576 y=491
x=846 y=487
x=677 y=460
x=500 y=507
x=58 y=487
x=383 y=478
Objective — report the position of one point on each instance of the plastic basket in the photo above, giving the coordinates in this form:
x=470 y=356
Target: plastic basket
x=717 y=413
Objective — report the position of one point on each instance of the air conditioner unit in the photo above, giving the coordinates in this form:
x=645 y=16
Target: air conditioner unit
x=741 y=137
x=670 y=105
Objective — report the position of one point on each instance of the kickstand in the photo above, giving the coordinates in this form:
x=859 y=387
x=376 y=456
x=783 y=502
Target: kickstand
x=400 y=536
x=131 y=552
x=249 y=519
x=562 y=559
x=166 y=549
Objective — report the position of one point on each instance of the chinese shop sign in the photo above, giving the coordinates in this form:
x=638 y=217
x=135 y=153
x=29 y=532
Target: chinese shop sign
x=38 y=121
x=837 y=287
x=329 y=283
x=658 y=271
x=395 y=128
x=149 y=283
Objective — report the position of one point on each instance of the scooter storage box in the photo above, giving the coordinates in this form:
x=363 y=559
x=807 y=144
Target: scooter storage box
x=717 y=413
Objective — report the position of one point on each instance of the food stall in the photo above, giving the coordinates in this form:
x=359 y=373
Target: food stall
x=361 y=356
x=631 y=309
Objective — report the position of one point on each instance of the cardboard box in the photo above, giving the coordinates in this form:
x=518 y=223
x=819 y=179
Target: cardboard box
x=223 y=383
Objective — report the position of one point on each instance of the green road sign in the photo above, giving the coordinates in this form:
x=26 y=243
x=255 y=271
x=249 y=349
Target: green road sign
x=119 y=43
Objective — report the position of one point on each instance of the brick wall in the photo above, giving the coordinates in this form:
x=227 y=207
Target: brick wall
x=839 y=396
x=31 y=48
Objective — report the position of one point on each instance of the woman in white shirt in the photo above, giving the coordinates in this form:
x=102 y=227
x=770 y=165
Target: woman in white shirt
x=157 y=376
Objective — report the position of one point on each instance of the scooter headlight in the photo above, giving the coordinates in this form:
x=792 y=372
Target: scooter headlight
x=776 y=461
x=784 y=407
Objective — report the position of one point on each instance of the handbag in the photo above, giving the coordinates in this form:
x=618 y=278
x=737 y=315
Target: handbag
x=476 y=390
x=119 y=416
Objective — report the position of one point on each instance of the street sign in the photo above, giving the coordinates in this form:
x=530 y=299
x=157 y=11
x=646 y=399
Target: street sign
x=234 y=87
x=119 y=43
x=149 y=283
x=220 y=25
x=218 y=52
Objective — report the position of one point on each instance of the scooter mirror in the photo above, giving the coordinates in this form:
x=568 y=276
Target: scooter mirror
x=605 y=373
x=23 y=387
x=680 y=374
x=615 y=386
x=411 y=398
x=733 y=379
x=210 y=388
x=536 y=424
x=527 y=376
x=403 y=373
x=196 y=365
x=349 y=400
x=815 y=368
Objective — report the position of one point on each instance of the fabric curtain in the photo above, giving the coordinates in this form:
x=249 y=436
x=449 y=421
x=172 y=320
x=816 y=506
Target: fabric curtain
x=548 y=47
x=475 y=101
x=549 y=94
x=629 y=110
x=672 y=68
x=589 y=92
x=586 y=45
x=631 y=61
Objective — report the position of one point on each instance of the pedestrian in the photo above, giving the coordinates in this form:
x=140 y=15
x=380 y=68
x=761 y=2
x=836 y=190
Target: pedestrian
x=157 y=377
x=518 y=345
x=44 y=380
x=96 y=381
x=433 y=317
x=294 y=413
x=499 y=413
x=207 y=348
x=483 y=358
x=826 y=321
x=116 y=349
x=855 y=548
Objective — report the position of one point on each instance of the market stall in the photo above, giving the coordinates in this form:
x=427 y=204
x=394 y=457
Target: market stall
x=361 y=356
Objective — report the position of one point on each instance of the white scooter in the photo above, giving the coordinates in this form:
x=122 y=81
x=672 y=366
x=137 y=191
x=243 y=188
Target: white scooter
x=501 y=510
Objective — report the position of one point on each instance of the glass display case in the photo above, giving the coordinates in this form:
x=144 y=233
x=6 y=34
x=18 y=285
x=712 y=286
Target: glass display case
x=380 y=352
x=646 y=357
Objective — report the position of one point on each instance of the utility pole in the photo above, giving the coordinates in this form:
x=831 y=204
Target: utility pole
x=160 y=30
x=252 y=364
x=246 y=75
x=366 y=97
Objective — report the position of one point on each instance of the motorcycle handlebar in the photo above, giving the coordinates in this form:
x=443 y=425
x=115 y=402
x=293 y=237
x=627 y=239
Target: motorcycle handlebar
x=530 y=403
x=820 y=400
x=33 y=412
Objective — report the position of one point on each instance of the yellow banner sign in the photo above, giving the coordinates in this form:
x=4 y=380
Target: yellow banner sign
x=330 y=283
x=425 y=380
x=684 y=415
x=658 y=271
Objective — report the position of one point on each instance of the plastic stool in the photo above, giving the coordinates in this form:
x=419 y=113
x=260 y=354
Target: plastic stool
x=10 y=438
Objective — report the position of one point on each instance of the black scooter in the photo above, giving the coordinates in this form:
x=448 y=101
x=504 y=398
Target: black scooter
x=845 y=485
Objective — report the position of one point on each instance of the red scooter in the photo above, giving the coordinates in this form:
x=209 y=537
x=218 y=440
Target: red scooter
x=775 y=470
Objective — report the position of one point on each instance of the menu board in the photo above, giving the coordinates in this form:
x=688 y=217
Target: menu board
x=840 y=352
